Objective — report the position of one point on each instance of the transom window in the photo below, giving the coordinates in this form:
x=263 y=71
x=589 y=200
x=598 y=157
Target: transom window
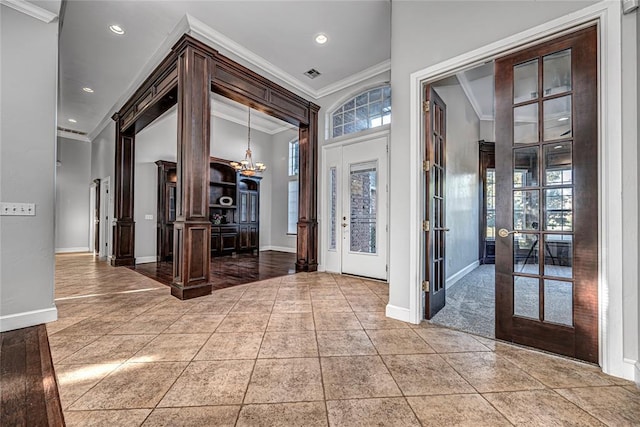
x=367 y=110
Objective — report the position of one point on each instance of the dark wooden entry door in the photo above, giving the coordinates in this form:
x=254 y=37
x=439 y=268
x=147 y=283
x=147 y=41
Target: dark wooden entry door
x=547 y=196
x=435 y=116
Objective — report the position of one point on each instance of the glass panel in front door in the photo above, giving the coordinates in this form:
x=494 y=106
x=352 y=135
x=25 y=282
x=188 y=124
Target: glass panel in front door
x=363 y=207
x=543 y=190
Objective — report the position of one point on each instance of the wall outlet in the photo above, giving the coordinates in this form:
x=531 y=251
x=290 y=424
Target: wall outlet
x=17 y=209
x=148 y=217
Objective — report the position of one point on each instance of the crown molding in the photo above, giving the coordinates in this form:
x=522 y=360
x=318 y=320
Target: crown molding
x=354 y=79
x=201 y=31
x=30 y=9
x=205 y=33
x=71 y=135
x=163 y=50
x=466 y=88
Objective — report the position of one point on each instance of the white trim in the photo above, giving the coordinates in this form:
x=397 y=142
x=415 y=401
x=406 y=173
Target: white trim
x=354 y=79
x=278 y=249
x=231 y=118
x=399 y=313
x=72 y=250
x=205 y=33
x=28 y=318
x=31 y=9
x=637 y=374
x=163 y=50
x=146 y=259
x=466 y=88
x=71 y=135
x=608 y=16
x=453 y=279
x=201 y=31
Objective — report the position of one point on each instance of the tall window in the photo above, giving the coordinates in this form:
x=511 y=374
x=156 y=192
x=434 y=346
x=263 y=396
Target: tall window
x=364 y=111
x=292 y=212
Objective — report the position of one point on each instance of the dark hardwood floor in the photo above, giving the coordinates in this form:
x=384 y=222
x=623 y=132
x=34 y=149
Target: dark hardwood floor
x=231 y=270
x=29 y=391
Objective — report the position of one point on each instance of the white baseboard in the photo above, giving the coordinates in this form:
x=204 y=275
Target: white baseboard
x=637 y=379
x=146 y=259
x=461 y=273
x=278 y=249
x=398 y=313
x=72 y=250
x=28 y=318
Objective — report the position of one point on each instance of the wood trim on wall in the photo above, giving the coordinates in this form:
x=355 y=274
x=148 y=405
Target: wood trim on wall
x=187 y=76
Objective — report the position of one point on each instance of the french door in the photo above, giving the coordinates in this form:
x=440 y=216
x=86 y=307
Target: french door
x=547 y=196
x=435 y=154
x=357 y=208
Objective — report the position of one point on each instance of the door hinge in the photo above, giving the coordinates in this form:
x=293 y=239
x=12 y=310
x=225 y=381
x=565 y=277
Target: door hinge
x=425 y=285
x=386 y=268
x=425 y=165
x=425 y=225
x=425 y=106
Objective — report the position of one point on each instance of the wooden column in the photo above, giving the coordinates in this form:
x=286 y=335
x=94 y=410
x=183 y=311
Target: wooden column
x=192 y=229
x=124 y=227
x=307 y=247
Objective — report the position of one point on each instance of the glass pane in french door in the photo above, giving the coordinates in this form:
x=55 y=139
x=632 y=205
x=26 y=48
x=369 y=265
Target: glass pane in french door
x=363 y=207
x=542 y=190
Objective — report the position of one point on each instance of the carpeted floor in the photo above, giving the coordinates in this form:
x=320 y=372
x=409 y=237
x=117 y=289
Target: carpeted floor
x=470 y=304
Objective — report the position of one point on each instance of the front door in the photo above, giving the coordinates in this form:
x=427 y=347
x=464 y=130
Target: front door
x=434 y=227
x=547 y=196
x=364 y=208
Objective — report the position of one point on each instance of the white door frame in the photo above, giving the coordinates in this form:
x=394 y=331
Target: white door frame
x=323 y=221
x=607 y=14
x=92 y=217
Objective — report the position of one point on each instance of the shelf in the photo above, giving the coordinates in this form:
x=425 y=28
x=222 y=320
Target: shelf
x=222 y=183
x=217 y=205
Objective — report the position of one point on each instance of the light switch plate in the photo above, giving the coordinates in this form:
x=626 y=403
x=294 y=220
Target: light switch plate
x=17 y=209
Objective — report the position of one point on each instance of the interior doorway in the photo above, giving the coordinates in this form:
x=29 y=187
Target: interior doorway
x=537 y=209
x=105 y=202
x=356 y=177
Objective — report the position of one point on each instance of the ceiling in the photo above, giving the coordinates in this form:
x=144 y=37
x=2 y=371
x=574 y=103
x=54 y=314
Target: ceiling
x=478 y=84
x=276 y=37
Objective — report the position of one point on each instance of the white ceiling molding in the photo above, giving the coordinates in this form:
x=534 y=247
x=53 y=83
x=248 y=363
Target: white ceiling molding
x=259 y=121
x=71 y=135
x=354 y=79
x=30 y=9
x=466 y=88
x=205 y=33
x=163 y=50
x=199 y=30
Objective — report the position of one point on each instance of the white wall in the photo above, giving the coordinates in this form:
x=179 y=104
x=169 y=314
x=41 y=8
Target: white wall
x=28 y=105
x=159 y=142
x=462 y=178
x=488 y=130
x=73 y=180
x=279 y=239
x=460 y=26
x=103 y=154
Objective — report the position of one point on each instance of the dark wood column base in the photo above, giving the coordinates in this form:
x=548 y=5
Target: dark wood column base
x=302 y=266
x=123 y=262
x=183 y=293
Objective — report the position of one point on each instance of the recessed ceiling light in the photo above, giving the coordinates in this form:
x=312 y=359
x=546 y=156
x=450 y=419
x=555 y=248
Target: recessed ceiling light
x=73 y=120
x=87 y=89
x=321 y=38
x=563 y=119
x=117 y=29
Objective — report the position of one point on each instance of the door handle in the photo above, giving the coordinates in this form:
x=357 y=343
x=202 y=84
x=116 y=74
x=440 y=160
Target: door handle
x=344 y=224
x=503 y=232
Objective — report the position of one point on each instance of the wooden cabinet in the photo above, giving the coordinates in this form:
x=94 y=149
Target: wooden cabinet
x=234 y=209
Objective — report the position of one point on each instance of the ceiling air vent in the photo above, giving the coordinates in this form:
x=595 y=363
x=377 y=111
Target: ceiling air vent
x=77 y=132
x=312 y=73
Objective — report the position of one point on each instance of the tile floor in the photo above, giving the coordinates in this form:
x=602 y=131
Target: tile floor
x=302 y=350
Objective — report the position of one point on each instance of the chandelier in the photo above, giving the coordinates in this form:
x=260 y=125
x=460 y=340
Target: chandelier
x=246 y=167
